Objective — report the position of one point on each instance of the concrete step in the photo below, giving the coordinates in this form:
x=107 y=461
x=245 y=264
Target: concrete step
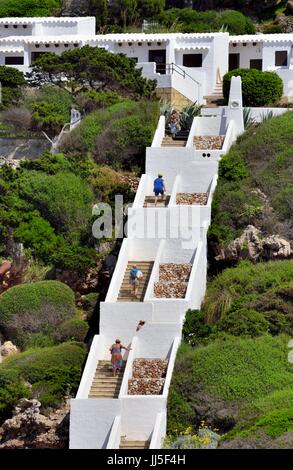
x=127 y=444
x=126 y=288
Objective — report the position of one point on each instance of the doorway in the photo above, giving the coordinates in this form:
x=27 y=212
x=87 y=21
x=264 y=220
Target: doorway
x=158 y=56
x=234 y=61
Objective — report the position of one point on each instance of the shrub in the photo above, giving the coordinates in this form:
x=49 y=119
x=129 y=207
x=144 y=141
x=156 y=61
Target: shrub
x=90 y=100
x=19 y=118
x=11 y=390
x=226 y=370
x=31 y=308
x=11 y=77
x=72 y=330
x=51 y=109
x=54 y=372
x=195 y=328
x=248 y=286
x=236 y=22
x=251 y=165
x=64 y=200
x=28 y=7
x=243 y=322
x=258 y=88
x=232 y=167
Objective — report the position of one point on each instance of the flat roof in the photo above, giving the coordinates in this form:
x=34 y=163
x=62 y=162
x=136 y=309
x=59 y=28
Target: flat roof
x=284 y=37
x=45 y=19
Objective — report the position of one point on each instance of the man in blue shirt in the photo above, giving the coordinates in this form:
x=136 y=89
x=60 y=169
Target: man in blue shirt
x=159 y=188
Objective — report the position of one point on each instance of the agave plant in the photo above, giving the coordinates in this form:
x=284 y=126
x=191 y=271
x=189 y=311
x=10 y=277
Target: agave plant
x=266 y=116
x=187 y=114
x=248 y=120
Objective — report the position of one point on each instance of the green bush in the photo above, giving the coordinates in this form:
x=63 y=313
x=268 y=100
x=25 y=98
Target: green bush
x=30 y=308
x=258 y=88
x=225 y=373
x=11 y=390
x=63 y=199
x=251 y=165
x=195 y=329
x=11 y=80
x=243 y=322
x=53 y=372
x=30 y=8
x=51 y=109
x=236 y=22
x=249 y=286
x=91 y=100
x=72 y=330
x=186 y=20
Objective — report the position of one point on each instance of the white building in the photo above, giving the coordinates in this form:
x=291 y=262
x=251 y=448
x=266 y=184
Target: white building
x=107 y=412
x=190 y=64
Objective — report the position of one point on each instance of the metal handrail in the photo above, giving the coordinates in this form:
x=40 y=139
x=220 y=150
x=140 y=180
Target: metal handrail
x=172 y=67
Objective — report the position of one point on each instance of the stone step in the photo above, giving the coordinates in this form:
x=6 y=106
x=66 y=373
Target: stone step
x=98 y=380
x=127 y=444
x=126 y=287
x=103 y=395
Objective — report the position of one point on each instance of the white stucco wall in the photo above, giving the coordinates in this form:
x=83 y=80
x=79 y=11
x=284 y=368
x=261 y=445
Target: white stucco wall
x=91 y=422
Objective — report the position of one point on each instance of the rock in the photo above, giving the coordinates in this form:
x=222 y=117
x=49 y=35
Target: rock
x=285 y=22
x=147 y=376
x=173 y=280
x=192 y=198
x=150 y=368
x=28 y=428
x=131 y=180
x=252 y=244
x=208 y=142
x=289 y=9
x=8 y=348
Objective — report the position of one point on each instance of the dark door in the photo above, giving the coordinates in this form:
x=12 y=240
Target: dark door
x=234 y=61
x=256 y=64
x=159 y=57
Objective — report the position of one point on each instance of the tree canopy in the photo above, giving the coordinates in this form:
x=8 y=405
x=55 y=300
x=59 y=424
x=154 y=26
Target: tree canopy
x=88 y=68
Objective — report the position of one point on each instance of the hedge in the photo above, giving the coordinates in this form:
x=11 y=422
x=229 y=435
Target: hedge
x=37 y=307
x=53 y=372
x=258 y=88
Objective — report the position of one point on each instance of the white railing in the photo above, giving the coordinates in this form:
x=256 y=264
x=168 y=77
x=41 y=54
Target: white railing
x=174 y=191
x=229 y=137
x=155 y=271
x=115 y=434
x=118 y=274
x=212 y=190
x=160 y=132
x=171 y=363
x=141 y=192
x=97 y=352
x=191 y=135
x=159 y=431
x=128 y=369
x=194 y=272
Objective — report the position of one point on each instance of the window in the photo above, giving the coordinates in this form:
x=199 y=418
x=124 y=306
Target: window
x=14 y=60
x=135 y=58
x=281 y=58
x=36 y=55
x=192 y=60
x=256 y=64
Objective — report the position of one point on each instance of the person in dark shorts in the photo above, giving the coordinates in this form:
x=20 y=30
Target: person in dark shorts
x=159 y=188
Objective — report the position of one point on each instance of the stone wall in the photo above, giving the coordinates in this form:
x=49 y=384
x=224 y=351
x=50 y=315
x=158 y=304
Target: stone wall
x=173 y=96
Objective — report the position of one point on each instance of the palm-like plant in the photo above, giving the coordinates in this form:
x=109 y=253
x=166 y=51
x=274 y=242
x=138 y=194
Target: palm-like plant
x=187 y=114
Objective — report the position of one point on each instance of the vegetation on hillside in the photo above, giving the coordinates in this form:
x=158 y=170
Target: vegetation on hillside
x=232 y=383
x=21 y=8
x=255 y=183
x=47 y=374
x=232 y=371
